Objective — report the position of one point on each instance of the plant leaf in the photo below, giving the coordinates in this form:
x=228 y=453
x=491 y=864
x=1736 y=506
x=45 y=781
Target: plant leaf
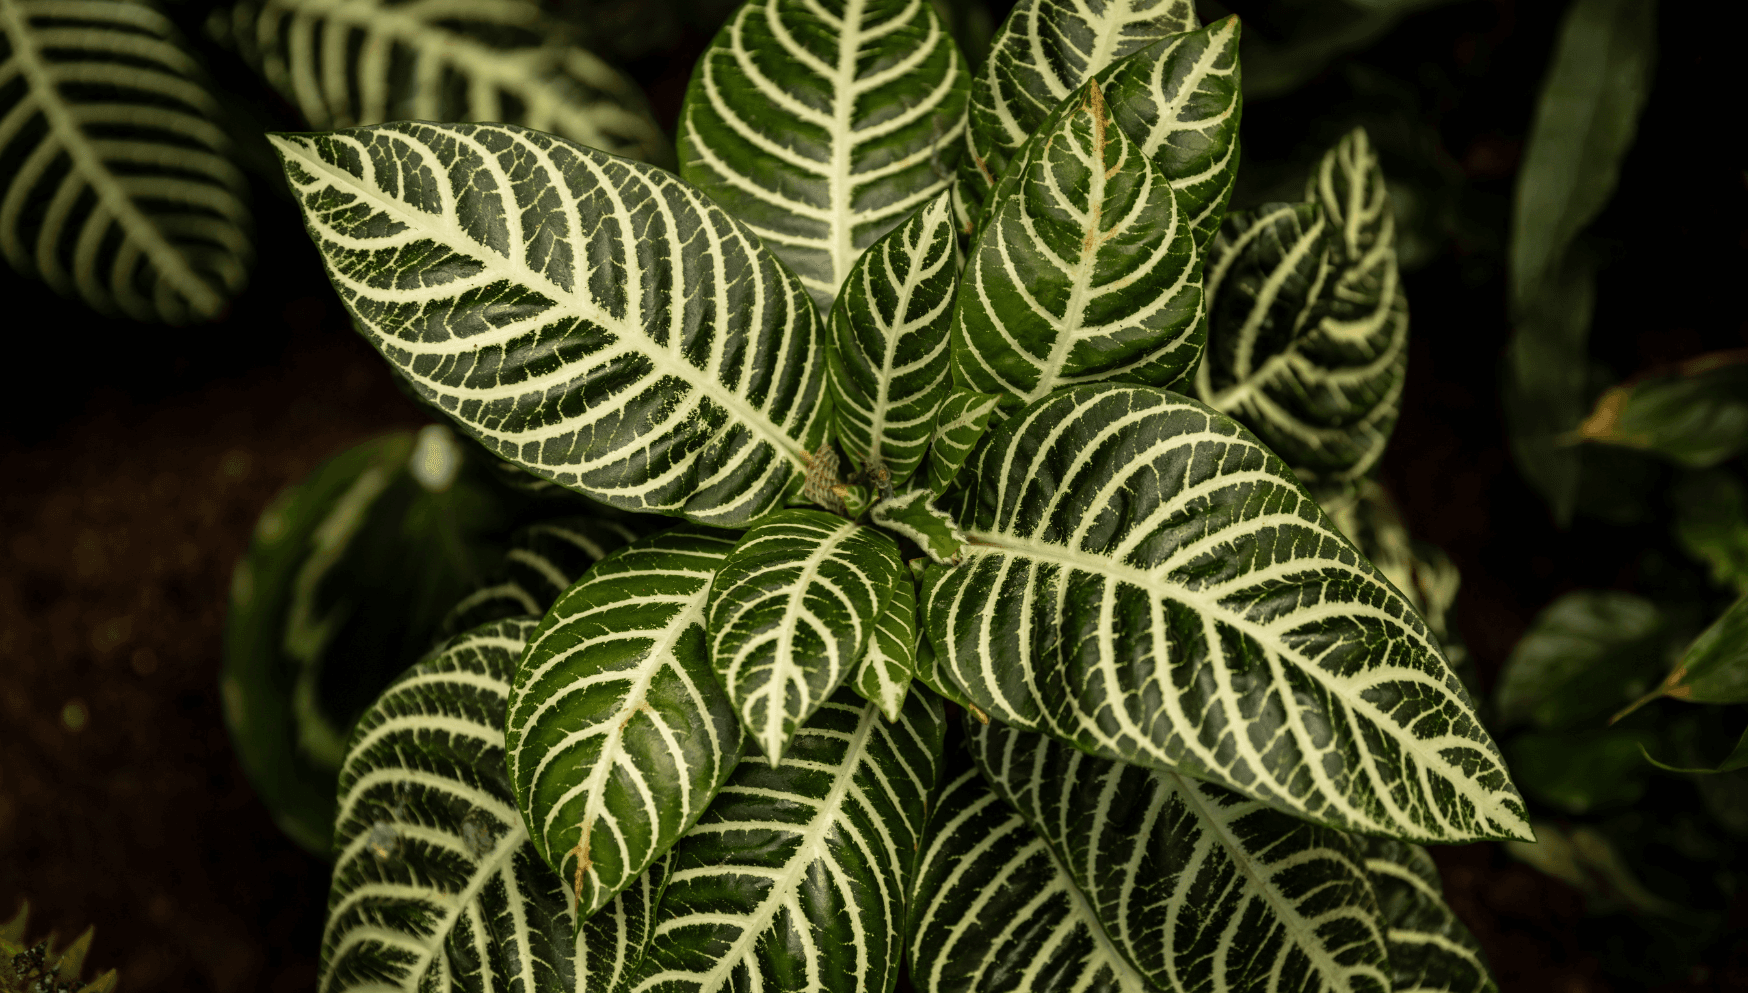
x=823 y=125
x=1044 y=51
x=1308 y=324
x=790 y=614
x=1585 y=656
x=883 y=676
x=347 y=63
x=1697 y=417
x=993 y=908
x=1150 y=584
x=436 y=884
x=117 y=184
x=1179 y=100
x=1581 y=772
x=1714 y=669
x=1737 y=759
x=913 y=516
x=889 y=360
x=618 y=734
x=1085 y=269
x=1430 y=950
x=1148 y=848
x=542 y=562
x=589 y=318
x=797 y=875
x=962 y=419
x=1711 y=523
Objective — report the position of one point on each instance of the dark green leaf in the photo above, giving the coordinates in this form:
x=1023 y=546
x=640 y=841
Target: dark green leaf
x=543 y=561
x=1587 y=655
x=1581 y=772
x=1697 y=417
x=1430 y=950
x=962 y=419
x=1711 y=522
x=912 y=515
x=884 y=674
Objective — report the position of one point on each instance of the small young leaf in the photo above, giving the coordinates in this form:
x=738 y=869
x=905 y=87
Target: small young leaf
x=913 y=516
x=435 y=879
x=797 y=876
x=823 y=125
x=1256 y=649
x=1697 y=417
x=1085 y=269
x=1043 y=52
x=1430 y=950
x=993 y=909
x=790 y=613
x=1587 y=654
x=884 y=674
x=364 y=62
x=889 y=360
x=962 y=419
x=618 y=734
x=587 y=317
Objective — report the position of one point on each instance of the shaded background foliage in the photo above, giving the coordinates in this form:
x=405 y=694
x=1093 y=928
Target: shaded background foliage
x=137 y=458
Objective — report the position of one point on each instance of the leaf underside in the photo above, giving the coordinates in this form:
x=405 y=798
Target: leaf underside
x=117 y=183
x=590 y=318
x=618 y=734
x=347 y=63
x=1150 y=584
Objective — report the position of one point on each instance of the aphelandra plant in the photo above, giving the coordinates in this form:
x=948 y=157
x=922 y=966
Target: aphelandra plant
x=931 y=438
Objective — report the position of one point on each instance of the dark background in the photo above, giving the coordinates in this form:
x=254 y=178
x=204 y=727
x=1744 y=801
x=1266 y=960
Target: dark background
x=135 y=459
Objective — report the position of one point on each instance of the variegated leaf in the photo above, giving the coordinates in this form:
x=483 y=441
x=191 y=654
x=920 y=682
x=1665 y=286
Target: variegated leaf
x=912 y=515
x=883 y=676
x=1198 y=887
x=822 y=124
x=346 y=63
x=118 y=184
x=1045 y=51
x=790 y=614
x=962 y=419
x=587 y=317
x=994 y=911
x=889 y=360
x=797 y=876
x=1430 y=950
x=1144 y=580
x=542 y=562
x=1180 y=101
x=1085 y=269
x=1308 y=325
x=437 y=887
x=618 y=734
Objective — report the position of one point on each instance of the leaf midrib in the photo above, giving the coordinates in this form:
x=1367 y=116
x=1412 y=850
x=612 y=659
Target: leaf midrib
x=172 y=267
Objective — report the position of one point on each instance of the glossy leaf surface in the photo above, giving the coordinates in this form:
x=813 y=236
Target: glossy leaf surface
x=960 y=422
x=1146 y=581
x=542 y=561
x=912 y=515
x=797 y=876
x=790 y=613
x=1085 y=270
x=346 y=63
x=587 y=317
x=822 y=124
x=618 y=734
x=884 y=674
x=118 y=184
x=889 y=360
x=1196 y=886
x=436 y=885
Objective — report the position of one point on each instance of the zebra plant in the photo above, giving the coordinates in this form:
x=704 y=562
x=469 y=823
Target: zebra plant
x=999 y=642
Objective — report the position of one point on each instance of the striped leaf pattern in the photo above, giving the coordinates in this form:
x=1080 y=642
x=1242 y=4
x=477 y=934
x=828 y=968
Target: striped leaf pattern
x=1198 y=887
x=1085 y=270
x=1045 y=51
x=436 y=885
x=790 y=613
x=961 y=421
x=995 y=911
x=797 y=876
x=346 y=63
x=822 y=124
x=889 y=361
x=1430 y=950
x=912 y=516
x=543 y=560
x=117 y=184
x=1179 y=100
x=1146 y=581
x=1308 y=336
x=590 y=318
x=618 y=734
x=883 y=676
